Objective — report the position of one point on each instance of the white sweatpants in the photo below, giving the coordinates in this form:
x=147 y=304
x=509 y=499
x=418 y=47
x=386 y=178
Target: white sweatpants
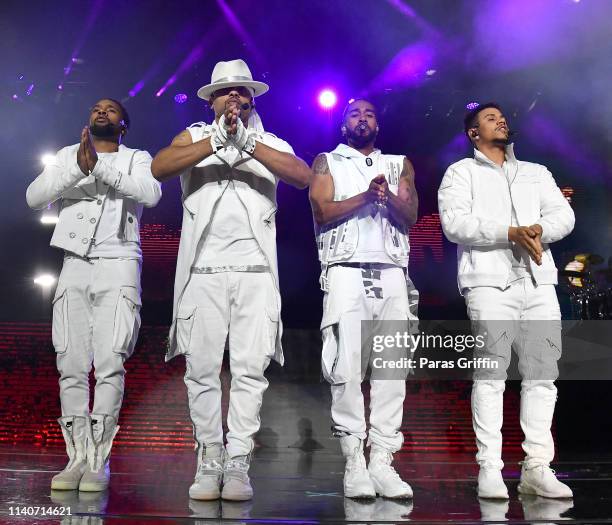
x=527 y=318
x=356 y=295
x=96 y=318
x=243 y=306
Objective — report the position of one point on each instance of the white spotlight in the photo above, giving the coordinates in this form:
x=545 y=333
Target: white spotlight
x=45 y=280
x=47 y=158
x=47 y=218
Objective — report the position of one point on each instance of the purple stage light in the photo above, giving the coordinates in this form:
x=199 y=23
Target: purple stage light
x=327 y=99
x=15 y=97
x=30 y=89
x=471 y=106
x=180 y=98
x=60 y=87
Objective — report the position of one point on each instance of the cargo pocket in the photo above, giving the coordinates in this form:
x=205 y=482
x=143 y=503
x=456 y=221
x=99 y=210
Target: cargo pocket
x=59 y=327
x=273 y=320
x=127 y=321
x=185 y=319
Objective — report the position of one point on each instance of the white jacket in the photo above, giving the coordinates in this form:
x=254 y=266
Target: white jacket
x=475 y=202
x=82 y=199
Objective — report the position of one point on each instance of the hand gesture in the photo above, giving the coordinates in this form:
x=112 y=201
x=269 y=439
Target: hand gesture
x=530 y=238
x=86 y=155
x=378 y=190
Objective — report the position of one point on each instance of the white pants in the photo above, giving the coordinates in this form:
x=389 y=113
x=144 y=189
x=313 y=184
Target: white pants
x=356 y=295
x=96 y=318
x=243 y=306
x=527 y=318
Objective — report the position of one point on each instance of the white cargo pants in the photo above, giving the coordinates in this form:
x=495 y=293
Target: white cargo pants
x=241 y=305
x=96 y=318
x=527 y=318
x=355 y=295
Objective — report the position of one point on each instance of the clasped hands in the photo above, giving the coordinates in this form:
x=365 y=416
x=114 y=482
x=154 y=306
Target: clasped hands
x=86 y=154
x=530 y=238
x=231 y=130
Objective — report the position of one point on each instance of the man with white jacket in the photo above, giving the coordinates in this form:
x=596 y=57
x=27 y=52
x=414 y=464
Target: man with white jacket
x=363 y=203
x=226 y=284
x=102 y=186
x=503 y=213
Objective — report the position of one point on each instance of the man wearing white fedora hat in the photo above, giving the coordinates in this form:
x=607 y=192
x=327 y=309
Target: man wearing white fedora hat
x=227 y=278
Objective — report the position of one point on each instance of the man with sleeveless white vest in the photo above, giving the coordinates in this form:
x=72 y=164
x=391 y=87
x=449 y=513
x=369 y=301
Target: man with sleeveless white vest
x=363 y=203
x=226 y=278
x=503 y=213
x=102 y=186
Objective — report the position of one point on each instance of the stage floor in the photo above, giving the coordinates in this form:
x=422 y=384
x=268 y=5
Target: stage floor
x=293 y=485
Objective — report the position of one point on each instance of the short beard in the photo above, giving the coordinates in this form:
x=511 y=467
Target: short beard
x=106 y=131
x=502 y=142
x=360 y=140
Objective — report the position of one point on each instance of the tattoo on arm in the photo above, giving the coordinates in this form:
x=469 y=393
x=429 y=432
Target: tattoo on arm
x=319 y=165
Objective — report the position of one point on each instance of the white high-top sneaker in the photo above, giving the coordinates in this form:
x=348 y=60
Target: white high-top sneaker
x=491 y=483
x=236 y=482
x=73 y=430
x=100 y=434
x=207 y=483
x=541 y=481
x=357 y=482
x=386 y=480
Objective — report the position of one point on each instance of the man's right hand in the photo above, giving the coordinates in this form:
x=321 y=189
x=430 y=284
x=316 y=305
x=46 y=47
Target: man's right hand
x=377 y=191
x=82 y=152
x=529 y=239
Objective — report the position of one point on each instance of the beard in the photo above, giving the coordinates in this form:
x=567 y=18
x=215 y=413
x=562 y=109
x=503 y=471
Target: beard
x=360 y=139
x=103 y=131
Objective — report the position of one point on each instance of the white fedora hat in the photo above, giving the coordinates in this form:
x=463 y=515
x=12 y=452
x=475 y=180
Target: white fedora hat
x=230 y=74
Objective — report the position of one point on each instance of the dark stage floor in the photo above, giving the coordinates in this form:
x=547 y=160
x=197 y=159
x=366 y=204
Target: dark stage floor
x=297 y=468
x=293 y=485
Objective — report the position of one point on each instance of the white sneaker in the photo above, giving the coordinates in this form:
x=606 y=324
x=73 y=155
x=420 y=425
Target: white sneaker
x=541 y=481
x=386 y=480
x=207 y=483
x=357 y=481
x=491 y=484
x=236 y=482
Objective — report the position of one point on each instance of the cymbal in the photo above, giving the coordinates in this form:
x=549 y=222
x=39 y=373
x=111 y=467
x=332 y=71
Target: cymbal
x=591 y=258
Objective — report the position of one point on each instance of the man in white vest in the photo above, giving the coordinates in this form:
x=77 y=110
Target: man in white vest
x=363 y=203
x=503 y=213
x=226 y=277
x=102 y=187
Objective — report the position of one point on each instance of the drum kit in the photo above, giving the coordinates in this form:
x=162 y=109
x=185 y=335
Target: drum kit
x=589 y=287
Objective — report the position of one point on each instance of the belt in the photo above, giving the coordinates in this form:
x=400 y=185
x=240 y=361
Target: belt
x=253 y=268
x=366 y=266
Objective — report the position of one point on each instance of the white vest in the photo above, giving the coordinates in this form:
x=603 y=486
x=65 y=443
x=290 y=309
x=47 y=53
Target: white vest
x=202 y=188
x=337 y=242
